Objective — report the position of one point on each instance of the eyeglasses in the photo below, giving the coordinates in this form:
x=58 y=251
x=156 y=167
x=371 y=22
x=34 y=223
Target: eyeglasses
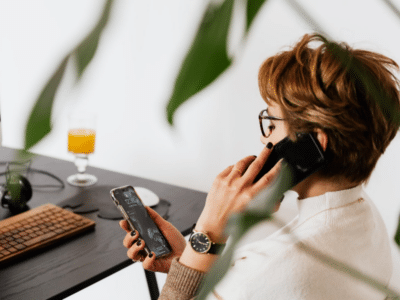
x=265 y=122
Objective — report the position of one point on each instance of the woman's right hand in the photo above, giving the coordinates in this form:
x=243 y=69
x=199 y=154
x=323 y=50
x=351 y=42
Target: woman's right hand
x=174 y=237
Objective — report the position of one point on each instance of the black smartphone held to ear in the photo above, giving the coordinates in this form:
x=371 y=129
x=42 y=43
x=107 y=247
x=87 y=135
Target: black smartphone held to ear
x=304 y=156
x=131 y=206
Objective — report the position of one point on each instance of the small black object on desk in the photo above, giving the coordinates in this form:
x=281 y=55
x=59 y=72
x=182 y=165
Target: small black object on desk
x=69 y=267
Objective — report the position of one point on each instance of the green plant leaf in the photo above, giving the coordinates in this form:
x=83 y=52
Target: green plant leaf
x=260 y=210
x=253 y=6
x=397 y=235
x=206 y=59
x=86 y=50
x=39 y=120
x=39 y=123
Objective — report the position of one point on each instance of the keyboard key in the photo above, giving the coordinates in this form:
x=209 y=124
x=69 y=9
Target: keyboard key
x=40 y=239
x=59 y=231
x=20 y=246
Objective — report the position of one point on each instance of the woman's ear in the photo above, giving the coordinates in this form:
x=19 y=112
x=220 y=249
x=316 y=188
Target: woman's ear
x=322 y=138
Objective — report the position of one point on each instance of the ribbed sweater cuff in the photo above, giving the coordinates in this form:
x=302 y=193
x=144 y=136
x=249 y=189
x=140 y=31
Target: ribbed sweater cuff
x=183 y=279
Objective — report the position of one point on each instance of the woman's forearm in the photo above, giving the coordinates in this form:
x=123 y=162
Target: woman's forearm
x=197 y=261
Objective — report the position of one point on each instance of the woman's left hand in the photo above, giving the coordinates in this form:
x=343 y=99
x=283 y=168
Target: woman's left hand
x=170 y=232
x=231 y=191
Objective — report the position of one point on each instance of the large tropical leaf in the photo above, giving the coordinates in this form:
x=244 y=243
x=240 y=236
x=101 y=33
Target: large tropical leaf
x=86 y=50
x=207 y=57
x=397 y=235
x=260 y=210
x=253 y=6
x=39 y=122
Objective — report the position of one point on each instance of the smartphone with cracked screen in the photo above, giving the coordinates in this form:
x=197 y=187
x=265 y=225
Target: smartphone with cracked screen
x=134 y=212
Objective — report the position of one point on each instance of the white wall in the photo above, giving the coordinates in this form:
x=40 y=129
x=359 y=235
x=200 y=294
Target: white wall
x=130 y=80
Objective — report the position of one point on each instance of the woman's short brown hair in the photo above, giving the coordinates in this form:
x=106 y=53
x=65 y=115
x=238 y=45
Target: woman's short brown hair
x=317 y=88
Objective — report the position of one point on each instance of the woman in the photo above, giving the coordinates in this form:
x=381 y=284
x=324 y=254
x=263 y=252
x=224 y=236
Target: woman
x=307 y=90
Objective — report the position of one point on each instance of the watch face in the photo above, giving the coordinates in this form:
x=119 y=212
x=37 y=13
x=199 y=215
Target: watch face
x=200 y=242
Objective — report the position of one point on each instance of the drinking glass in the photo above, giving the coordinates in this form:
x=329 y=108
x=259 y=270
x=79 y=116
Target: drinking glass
x=81 y=141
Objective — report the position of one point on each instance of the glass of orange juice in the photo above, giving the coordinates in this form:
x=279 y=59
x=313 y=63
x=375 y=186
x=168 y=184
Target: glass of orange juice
x=81 y=142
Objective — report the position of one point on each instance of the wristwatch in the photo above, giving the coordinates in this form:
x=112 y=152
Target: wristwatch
x=201 y=243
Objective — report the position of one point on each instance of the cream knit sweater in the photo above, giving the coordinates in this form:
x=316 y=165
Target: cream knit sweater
x=344 y=225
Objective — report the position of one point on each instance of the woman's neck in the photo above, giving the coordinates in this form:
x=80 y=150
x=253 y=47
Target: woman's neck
x=315 y=186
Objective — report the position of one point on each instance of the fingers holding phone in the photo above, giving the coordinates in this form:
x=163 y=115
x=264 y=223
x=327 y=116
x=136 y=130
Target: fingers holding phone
x=231 y=191
x=131 y=237
x=152 y=262
x=132 y=242
x=137 y=217
x=136 y=250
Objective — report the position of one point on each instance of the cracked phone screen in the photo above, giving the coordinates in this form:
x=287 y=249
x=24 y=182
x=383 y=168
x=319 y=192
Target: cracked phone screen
x=143 y=223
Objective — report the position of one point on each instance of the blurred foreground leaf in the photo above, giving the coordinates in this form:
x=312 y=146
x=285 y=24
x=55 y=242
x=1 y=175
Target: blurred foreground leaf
x=397 y=235
x=39 y=122
x=253 y=6
x=260 y=210
x=86 y=50
x=207 y=57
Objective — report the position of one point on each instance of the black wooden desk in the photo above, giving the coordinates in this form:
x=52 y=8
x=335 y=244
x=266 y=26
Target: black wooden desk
x=64 y=269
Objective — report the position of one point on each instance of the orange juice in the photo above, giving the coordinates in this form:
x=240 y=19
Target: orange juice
x=81 y=141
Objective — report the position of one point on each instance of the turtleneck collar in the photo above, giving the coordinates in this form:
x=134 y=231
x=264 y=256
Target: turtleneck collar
x=309 y=207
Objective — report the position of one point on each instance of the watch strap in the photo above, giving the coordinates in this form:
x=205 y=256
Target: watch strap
x=216 y=248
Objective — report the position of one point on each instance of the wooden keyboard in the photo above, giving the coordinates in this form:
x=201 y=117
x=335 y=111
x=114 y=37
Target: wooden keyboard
x=38 y=228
